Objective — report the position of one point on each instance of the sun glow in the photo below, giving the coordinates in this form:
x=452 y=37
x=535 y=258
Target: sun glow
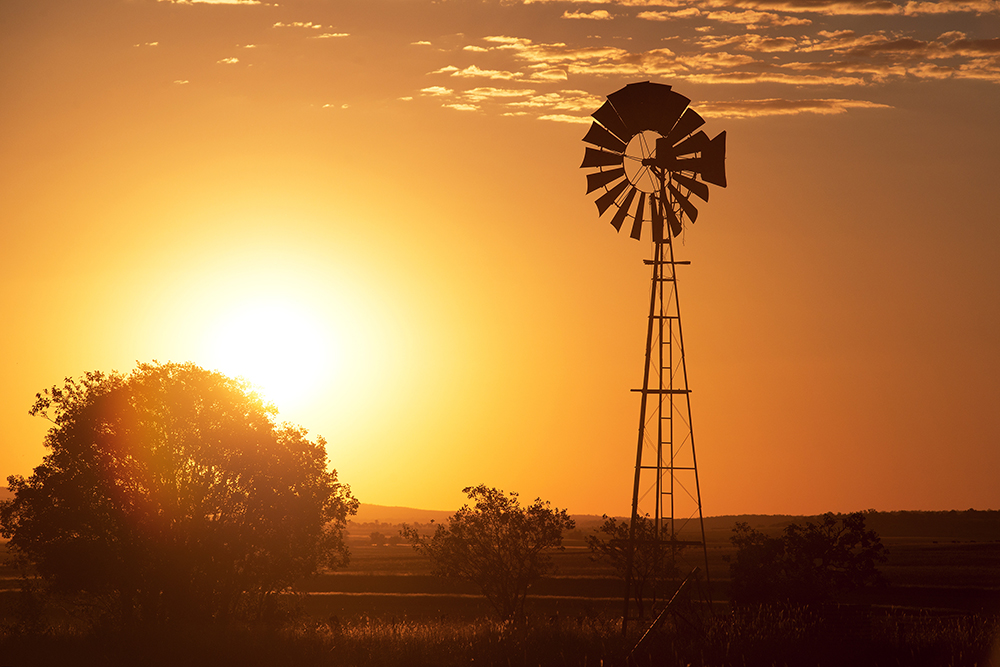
x=286 y=351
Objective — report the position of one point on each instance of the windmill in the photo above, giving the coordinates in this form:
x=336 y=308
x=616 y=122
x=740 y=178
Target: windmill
x=650 y=158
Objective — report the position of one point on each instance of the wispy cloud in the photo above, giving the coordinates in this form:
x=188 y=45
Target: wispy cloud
x=298 y=24
x=782 y=107
x=212 y=2
x=228 y=61
x=565 y=118
x=825 y=7
x=331 y=35
x=596 y=15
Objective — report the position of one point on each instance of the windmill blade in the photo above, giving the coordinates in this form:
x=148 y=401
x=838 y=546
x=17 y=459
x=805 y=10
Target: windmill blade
x=623 y=208
x=597 y=158
x=609 y=197
x=657 y=216
x=696 y=143
x=648 y=106
x=637 y=224
x=602 y=178
x=688 y=123
x=689 y=210
x=675 y=225
x=714 y=170
x=609 y=118
x=696 y=187
x=598 y=136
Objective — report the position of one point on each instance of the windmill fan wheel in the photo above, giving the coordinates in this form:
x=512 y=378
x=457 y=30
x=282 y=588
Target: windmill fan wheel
x=650 y=158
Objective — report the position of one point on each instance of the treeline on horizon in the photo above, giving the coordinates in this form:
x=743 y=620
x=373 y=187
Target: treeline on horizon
x=965 y=525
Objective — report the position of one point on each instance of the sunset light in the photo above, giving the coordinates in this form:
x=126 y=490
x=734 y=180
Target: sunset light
x=375 y=213
x=280 y=347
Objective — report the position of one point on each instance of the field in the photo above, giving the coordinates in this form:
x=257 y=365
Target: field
x=387 y=609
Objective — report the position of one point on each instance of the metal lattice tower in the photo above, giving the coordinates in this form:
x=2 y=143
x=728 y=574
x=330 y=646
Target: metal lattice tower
x=666 y=488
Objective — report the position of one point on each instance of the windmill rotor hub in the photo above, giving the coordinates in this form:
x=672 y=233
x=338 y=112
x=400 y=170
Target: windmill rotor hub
x=638 y=155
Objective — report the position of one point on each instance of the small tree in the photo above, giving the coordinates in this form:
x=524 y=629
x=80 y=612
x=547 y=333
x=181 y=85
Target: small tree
x=497 y=544
x=805 y=564
x=650 y=560
x=172 y=494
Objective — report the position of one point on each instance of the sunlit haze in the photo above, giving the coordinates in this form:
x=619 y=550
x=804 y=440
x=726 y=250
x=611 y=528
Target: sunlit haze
x=374 y=212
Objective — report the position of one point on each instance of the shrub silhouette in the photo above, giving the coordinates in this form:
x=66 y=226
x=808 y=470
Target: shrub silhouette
x=497 y=544
x=172 y=494
x=806 y=564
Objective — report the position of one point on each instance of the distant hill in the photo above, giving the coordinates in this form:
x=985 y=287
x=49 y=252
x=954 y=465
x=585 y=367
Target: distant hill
x=390 y=514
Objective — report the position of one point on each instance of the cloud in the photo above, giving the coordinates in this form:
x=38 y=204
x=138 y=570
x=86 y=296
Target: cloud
x=565 y=118
x=148 y=44
x=182 y=82
x=212 y=2
x=462 y=107
x=474 y=71
x=596 y=15
x=228 y=61
x=951 y=6
x=422 y=42
x=549 y=75
x=486 y=92
x=750 y=42
x=298 y=24
x=774 y=77
x=478 y=49
x=330 y=35
x=689 y=12
x=564 y=100
x=824 y=7
x=782 y=107
x=436 y=90
x=752 y=18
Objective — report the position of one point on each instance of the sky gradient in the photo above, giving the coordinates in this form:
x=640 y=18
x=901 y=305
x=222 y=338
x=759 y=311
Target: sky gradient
x=374 y=209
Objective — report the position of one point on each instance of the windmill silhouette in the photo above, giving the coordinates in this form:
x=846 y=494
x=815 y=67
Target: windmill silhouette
x=650 y=159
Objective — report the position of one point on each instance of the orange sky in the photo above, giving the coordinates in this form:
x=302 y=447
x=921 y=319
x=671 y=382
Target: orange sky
x=399 y=178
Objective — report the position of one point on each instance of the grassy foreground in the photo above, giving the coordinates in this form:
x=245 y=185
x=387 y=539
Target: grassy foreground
x=763 y=637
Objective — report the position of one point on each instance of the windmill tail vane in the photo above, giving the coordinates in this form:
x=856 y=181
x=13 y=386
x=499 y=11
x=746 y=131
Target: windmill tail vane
x=651 y=157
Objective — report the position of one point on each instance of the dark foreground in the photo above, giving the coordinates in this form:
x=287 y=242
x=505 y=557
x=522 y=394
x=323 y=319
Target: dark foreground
x=762 y=637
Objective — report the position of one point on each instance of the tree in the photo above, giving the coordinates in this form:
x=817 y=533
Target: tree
x=805 y=564
x=651 y=562
x=171 y=493
x=497 y=544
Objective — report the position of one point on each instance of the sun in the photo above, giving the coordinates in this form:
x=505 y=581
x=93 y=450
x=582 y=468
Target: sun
x=280 y=346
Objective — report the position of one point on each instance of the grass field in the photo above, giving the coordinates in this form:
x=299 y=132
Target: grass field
x=939 y=609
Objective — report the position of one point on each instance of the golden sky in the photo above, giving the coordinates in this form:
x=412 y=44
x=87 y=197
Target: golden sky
x=374 y=210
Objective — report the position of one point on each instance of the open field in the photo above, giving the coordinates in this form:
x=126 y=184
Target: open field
x=939 y=609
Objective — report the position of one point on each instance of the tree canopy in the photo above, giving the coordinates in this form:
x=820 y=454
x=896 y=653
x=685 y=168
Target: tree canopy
x=497 y=544
x=805 y=564
x=172 y=493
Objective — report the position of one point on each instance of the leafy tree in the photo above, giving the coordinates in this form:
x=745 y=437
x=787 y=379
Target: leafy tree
x=171 y=493
x=807 y=563
x=651 y=562
x=497 y=544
